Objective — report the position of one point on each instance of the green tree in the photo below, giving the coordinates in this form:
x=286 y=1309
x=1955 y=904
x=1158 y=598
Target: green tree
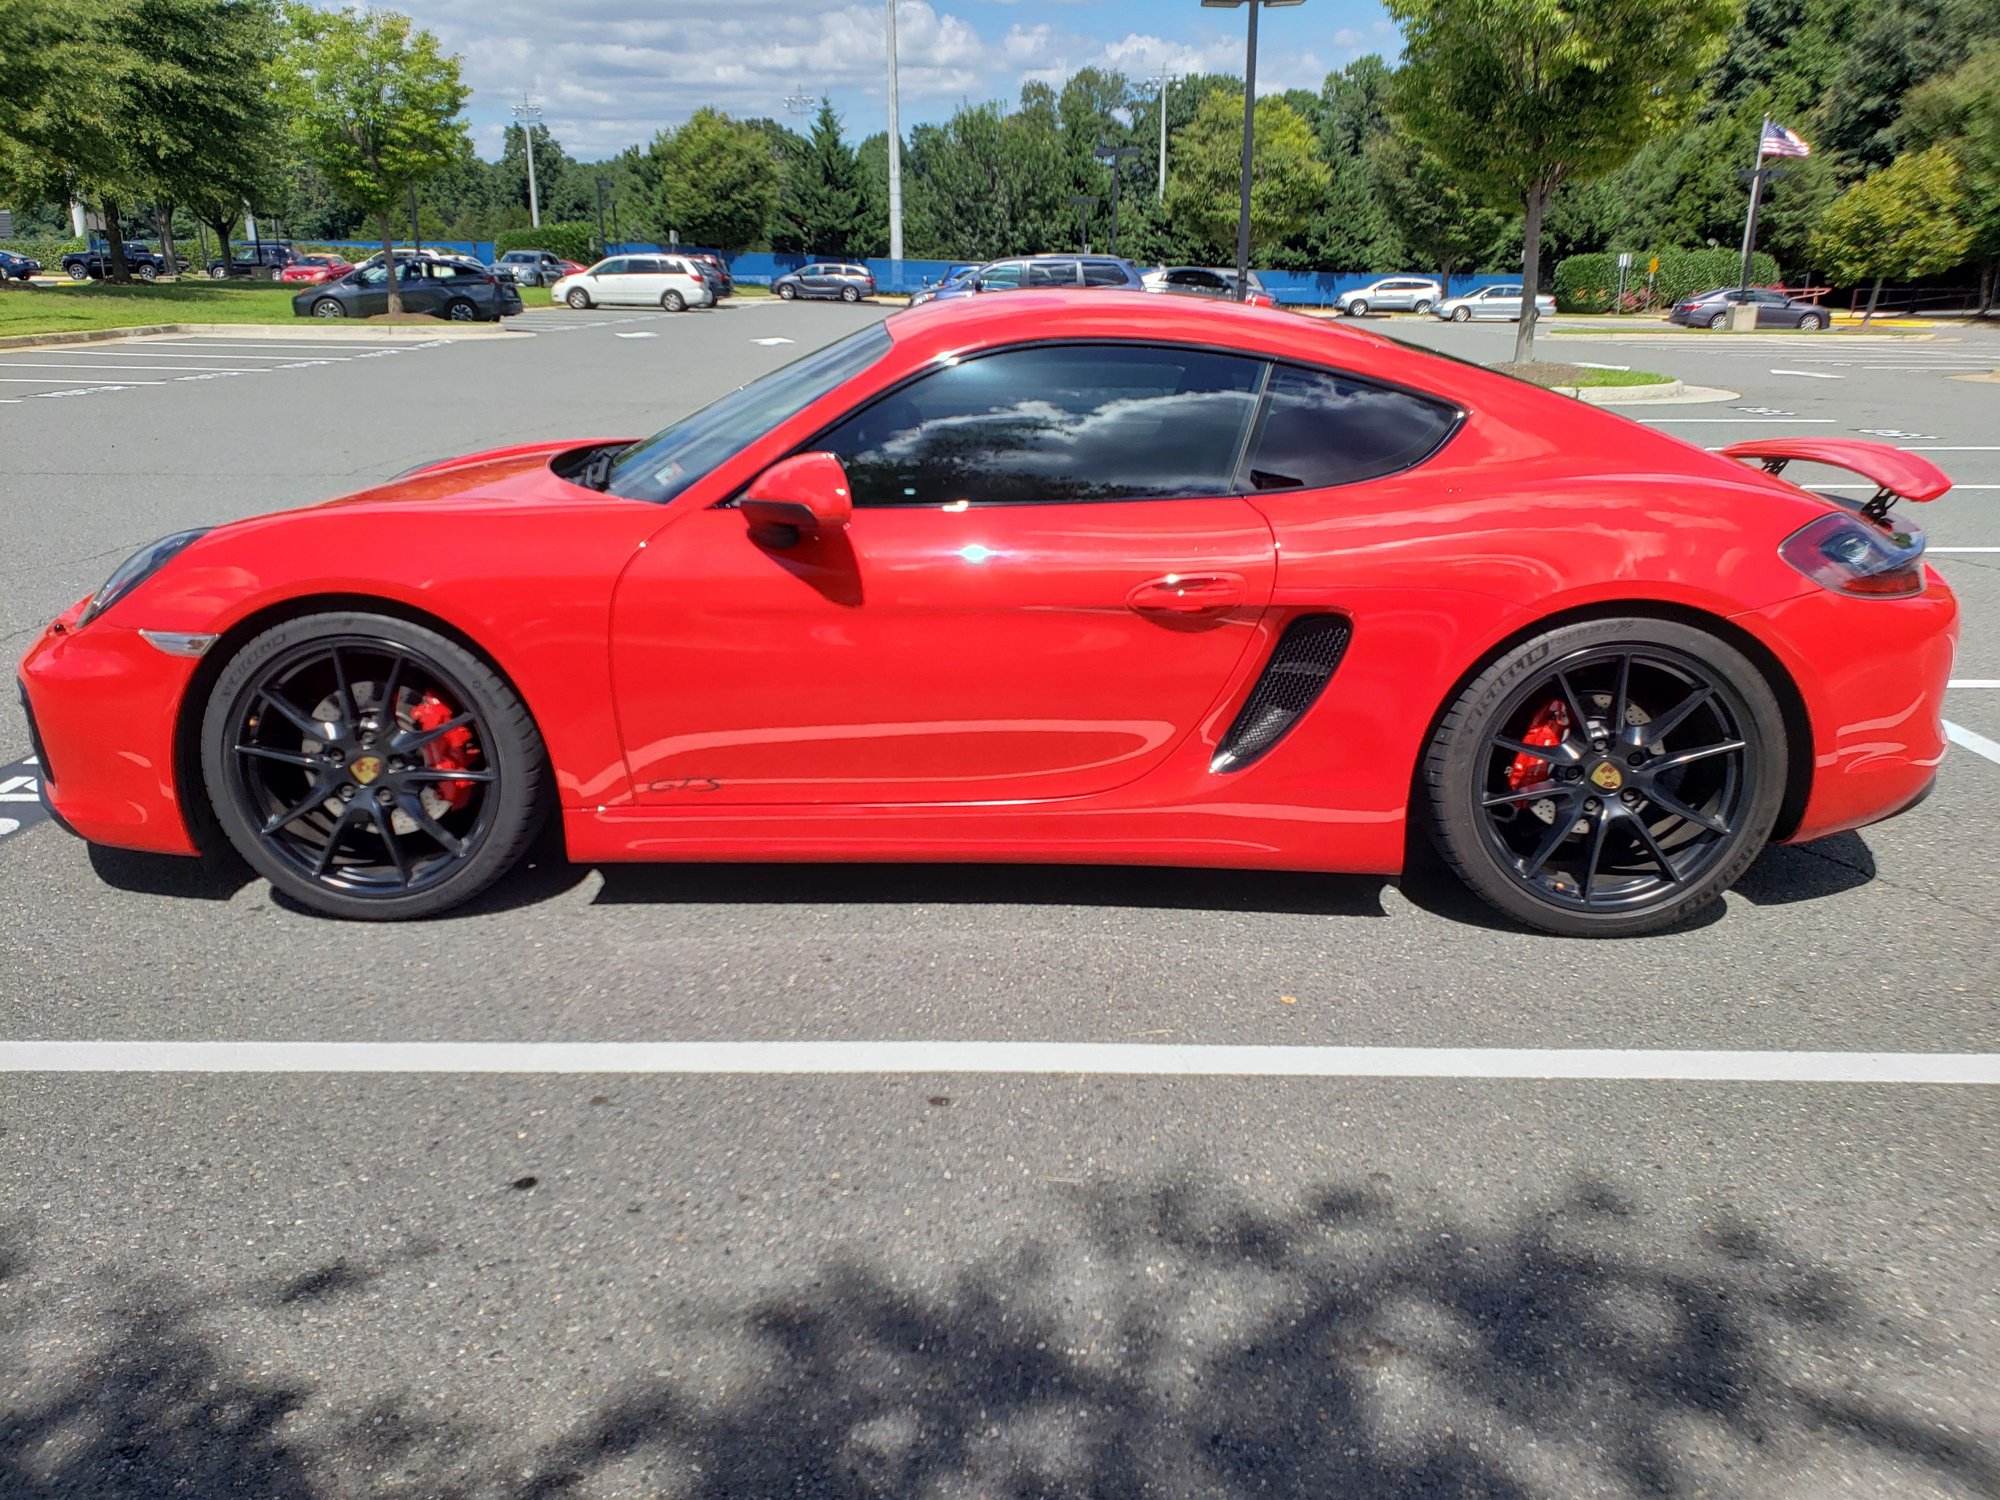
x=1905 y=220
x=819 y=208
x=1287 y=178
x=1960 y=111
x=552 y=169
x=1519 y=97
x=376 y=105
x=1445 y=227
x=713 y=182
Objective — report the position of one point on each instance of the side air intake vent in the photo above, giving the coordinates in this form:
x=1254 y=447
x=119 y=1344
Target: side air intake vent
x=1298 y=671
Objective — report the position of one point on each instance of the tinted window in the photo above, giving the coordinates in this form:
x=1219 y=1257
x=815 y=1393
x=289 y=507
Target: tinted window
x=1103 y=273
x=1052 y=273
x=1001 y=276
x=1059 y=423
x=1321 y=429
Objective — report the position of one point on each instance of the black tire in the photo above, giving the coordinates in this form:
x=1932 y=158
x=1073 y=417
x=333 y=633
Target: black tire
x=673 y=302
x=787 y=292
x=78 y=271
x=504 y=812
x=458 y=310
x=329 y=307
x=1358 y=308
x=1539 y=851
x=277 y=274
x=1812 y=322
x=218 y=273
x=1423 y=305
x=148 y=271
x=578 y=298
x=1461 y=315
x=1718 y=322
x=850 y=294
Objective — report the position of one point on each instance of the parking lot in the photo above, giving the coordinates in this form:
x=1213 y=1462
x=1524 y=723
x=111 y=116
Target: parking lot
x=1073 y=1246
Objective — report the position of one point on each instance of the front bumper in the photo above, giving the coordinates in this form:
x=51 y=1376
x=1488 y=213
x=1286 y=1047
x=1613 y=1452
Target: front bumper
x=103 y=704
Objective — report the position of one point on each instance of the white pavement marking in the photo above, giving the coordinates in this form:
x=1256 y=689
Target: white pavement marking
x=641 y=335
x=7 y=826
x=1929 y=550
x=1761 y=421
x=27 y=364
x=1993 y=682
x=1810 y=374
x=1584 y=364
x=1972 y=448
x=180 y=352
x=1056 y=1058
x=1845 y=486
x=769 y=342
x=1978 y=744
x=65 y=380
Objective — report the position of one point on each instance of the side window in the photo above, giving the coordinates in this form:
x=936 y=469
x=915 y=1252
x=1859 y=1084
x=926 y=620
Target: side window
x=1054 y=423
x=374 y=276
x=1321 y=429
x=1005 y=275
x=613 y=268
x=1103 y=273
x=1052 y=273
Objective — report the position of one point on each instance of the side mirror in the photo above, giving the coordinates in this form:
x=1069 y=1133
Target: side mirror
x=796 y=498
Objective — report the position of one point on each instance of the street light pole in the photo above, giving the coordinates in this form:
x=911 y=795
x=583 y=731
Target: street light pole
x=1116 y=155
x=603 y=245
x=528 y=114
x=1167 y=81
x=895 y=152
x=1084 y=203
x=1249 y=134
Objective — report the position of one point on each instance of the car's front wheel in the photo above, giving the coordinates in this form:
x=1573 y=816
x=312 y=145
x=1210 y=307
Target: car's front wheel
x=578 y=298
x=1358 y=308
x=787 y=292
x=1609 y=778
x=218 y=273
x=329 y=307
x=369 y=767
x=1461 y=315
x=148 y=271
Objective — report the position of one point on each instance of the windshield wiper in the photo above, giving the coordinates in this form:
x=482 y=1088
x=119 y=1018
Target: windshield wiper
x=596 y=475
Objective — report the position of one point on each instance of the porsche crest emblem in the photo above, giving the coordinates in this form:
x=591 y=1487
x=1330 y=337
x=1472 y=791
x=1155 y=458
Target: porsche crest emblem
x=1608 y=776
x=366 y=768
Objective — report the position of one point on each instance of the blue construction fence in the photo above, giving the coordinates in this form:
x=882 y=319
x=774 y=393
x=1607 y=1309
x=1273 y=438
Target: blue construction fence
x=1293 y=288
x=480 y=250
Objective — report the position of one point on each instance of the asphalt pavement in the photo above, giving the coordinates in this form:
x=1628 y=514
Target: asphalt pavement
x=969 y=1282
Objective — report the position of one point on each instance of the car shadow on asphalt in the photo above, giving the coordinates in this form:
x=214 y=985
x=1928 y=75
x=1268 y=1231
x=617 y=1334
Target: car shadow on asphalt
x=1173 y=1336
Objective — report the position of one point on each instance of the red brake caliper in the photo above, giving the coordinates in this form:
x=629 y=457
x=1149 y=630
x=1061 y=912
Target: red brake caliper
x=453 y=750
x=1549 y=727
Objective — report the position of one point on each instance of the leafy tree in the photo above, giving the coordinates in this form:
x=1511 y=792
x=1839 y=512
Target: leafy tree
x=375 y=105
x=1961 y=112
x=1287 y=178
x=713 y=181
x=1519 y=97
x=1896 y=47
x=1780 y=56
x=1354 y=228
x=1354 y=106
x=552 y=168
x=1902 y=221
x=819 y=208
x=1443 y=225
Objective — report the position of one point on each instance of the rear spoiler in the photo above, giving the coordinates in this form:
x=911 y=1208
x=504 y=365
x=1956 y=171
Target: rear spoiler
x=1895 y=473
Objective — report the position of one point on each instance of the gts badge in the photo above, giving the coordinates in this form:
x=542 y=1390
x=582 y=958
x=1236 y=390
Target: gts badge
x=685 y=784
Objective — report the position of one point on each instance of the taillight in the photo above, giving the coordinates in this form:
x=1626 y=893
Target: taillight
x=1850 y=556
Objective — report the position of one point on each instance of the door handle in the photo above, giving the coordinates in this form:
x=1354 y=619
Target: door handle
x=1187 y=594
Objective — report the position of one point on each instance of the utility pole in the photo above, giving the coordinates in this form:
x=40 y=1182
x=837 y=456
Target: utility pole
x=1249 y=132
x=1084 y=203
x=1166 y=80
x=603 y=245
x=895 y=151
x=1117 y=156
x=528 y=115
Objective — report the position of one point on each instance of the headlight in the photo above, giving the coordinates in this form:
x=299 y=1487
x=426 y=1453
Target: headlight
x=135 y=570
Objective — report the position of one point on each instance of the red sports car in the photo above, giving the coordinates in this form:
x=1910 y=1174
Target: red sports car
x=1044 y=577
x=315 y=268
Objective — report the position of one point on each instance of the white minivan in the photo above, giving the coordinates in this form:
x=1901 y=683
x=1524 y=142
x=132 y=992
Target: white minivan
x=635 y=281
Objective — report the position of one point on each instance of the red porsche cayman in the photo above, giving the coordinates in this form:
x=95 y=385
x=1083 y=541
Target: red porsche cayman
x=1043 y=577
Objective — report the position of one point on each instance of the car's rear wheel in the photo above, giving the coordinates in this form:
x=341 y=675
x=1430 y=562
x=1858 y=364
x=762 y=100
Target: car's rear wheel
x=787 y=292
x=1461 y=315
x=578 y=298
x=460 y=311
x=673 y=302
x=1609 y=778
x=850 y=294
x=1718 y=320
x=329 y=307
x=1811 y=322
x=369 y=767
x=1422 y=305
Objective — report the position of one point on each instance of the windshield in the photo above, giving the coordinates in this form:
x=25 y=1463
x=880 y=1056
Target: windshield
x=665 y=464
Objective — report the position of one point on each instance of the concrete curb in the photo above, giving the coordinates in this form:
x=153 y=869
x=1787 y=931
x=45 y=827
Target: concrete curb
x=1620 y=395
x=443 y=330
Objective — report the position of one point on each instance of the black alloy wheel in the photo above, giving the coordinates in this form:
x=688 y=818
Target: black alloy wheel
x=329 y=307
x=369 y=767
x=461 y=311
x=1608 y=779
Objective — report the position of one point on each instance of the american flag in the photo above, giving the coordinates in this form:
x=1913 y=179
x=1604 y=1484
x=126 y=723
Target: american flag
x=1779 y=141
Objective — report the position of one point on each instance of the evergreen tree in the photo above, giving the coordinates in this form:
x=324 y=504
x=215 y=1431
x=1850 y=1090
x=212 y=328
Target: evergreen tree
x=820 y=206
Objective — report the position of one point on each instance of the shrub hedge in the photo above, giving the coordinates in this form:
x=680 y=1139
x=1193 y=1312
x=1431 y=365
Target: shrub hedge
x=48 y=252
x=574 y=241
x=1589 y=283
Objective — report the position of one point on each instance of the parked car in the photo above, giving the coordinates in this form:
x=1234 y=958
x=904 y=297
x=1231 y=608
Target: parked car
x=1040 y=271
x=457 y=289
x=956 y=276
x=1062 y=578
x=315 y=268
x=537 y=267
x=1391 y=294
x=1492 y=302
x=845 y=280
x=261 y=261
x=665 y=281
x=1206 y=281
x=141 y=259
x=723 y=283
x=1774 y=309
x=15 y=267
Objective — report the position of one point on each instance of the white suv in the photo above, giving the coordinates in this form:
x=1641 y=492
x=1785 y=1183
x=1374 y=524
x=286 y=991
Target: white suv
x=1392 y=294
x=635 y=281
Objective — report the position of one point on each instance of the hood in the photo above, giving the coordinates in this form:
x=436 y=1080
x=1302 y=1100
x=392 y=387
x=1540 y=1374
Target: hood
x=513 y=475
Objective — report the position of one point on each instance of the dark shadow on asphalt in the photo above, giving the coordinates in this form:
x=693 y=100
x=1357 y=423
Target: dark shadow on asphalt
x=211 y=877
x=1785 y=873
x=1172 y=1339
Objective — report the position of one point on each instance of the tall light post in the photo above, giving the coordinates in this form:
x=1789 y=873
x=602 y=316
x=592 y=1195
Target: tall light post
x=1117 y=156
x=528 y=115
x=1083 y=203
x=1249 y=132
x=797 y=103
x=1166 y=81
x=895 y=152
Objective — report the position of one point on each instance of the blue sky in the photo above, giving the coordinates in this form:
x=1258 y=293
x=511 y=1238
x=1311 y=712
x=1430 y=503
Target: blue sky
x=608 y=73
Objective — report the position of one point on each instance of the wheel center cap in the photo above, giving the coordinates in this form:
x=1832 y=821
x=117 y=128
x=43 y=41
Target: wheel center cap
x=1607 y=776
x=367 y=767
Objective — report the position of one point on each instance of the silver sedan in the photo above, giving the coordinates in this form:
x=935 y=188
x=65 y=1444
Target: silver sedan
x=1491 y=302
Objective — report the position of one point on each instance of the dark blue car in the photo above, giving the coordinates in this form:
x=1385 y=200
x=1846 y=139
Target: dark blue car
x=1039 y=271
x=18 y=267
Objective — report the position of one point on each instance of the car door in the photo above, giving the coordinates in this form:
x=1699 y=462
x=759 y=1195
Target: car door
x=371 y=292
x=1005 y=277
x=1045 y=587
x=605 y=281
x=1052 y=273
x=1500 y=302
x=1773 y=309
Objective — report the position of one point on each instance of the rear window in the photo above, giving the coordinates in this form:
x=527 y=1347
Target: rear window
x=1104 y=273
x=1320 y=429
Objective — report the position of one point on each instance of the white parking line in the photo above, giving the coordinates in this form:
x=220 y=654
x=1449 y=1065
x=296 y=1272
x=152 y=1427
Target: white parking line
x=1978 y=744
x=1760 y=421
x=1929 y=550
x=1844 y=486
x=1048 y=1058
x=1810 y=374
x=28 y=364
x=184 y=352
x=1982 y=682
x=65 y=380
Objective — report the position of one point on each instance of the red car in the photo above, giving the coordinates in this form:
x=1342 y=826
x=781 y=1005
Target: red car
x=315 y=268
x=1044 y=577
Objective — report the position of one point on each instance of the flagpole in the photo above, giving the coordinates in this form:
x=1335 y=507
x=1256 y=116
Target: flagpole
x=1756 y=193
